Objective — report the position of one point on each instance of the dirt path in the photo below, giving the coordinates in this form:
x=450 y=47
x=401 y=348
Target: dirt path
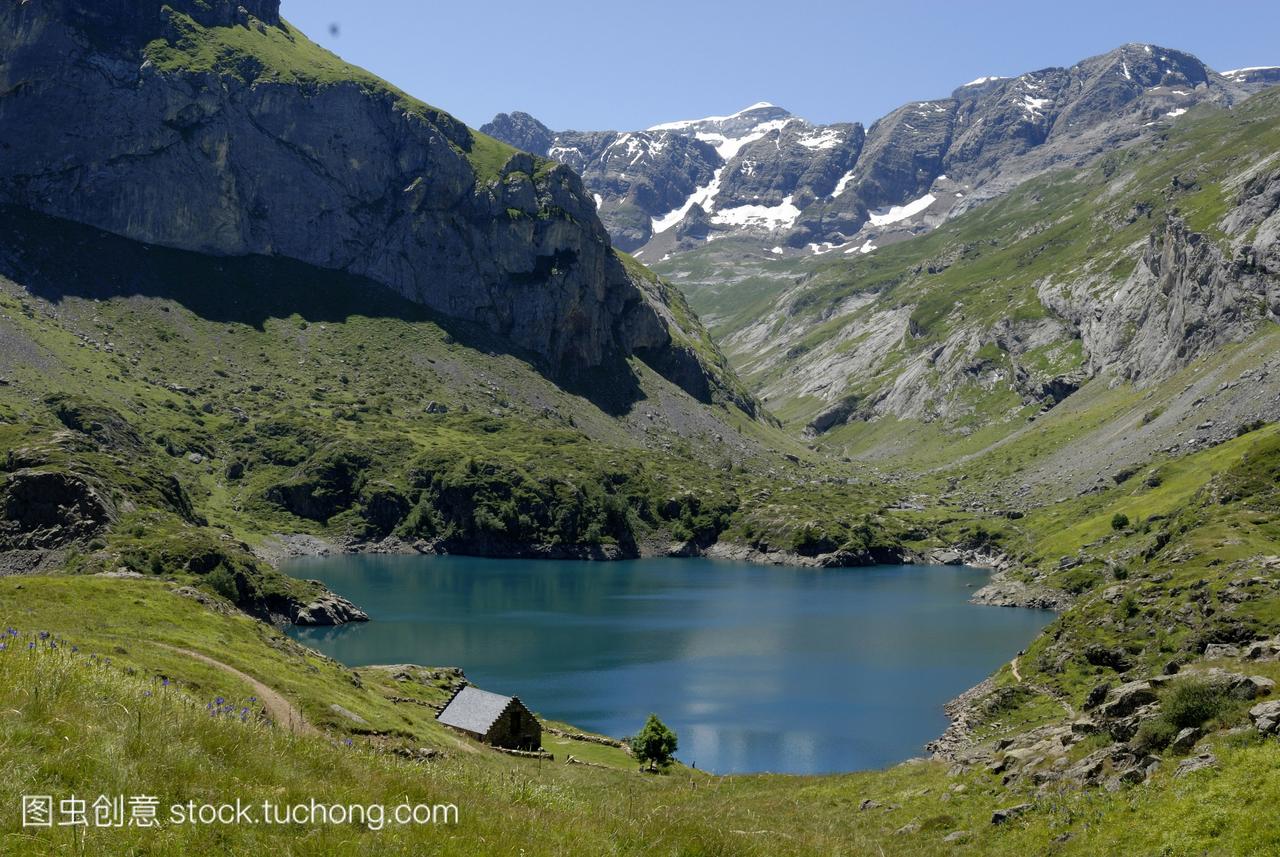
x=1017 y=675
x=282 y=711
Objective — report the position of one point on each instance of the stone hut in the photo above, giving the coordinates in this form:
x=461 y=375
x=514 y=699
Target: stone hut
x=502 y=721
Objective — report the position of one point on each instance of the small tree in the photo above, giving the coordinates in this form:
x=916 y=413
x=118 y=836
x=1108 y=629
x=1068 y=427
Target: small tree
x=1119 y=521
x=654 y=745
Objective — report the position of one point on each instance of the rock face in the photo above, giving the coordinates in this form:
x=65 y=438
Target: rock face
x=111 y=115
x=774 y=176
x=1185 y=298
x=41 y=510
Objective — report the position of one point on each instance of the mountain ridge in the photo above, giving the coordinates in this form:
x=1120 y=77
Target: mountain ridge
x=816 y=188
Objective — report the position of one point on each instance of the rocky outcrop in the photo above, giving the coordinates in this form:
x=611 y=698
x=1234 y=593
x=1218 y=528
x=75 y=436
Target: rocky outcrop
x=1008 y=592
x=329 y=609
x=1184 y=299
x=520 y=130
x=113 y=115
x=41 y=509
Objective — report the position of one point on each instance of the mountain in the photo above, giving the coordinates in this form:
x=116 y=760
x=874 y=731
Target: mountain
x=218 y=128
x=809 y=188
x=1121 y=308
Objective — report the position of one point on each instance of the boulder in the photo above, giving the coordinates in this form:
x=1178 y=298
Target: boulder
x=348 y=714
x=1085 y=726
x=1221 y=650
x=1128 y=698
x=1001 y=816
x=1266 y=717
x=1112 y=658
x=1097 y=694
x=1185 y=740
x=1263 y=650
x=1201 y=762
x=1088 y=770
x=329 y=609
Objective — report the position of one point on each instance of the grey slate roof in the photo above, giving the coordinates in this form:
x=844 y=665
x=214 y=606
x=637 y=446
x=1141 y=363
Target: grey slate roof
x=473 y=710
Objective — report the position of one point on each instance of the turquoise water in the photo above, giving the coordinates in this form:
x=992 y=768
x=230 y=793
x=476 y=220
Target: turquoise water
x=756 y=668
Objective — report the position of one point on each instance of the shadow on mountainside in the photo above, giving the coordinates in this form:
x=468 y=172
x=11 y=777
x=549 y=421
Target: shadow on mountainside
x=56 y=259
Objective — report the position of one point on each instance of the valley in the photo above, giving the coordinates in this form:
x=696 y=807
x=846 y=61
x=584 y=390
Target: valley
x=720 y=404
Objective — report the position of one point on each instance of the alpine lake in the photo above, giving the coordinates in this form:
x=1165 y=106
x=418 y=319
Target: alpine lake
x=757 y=668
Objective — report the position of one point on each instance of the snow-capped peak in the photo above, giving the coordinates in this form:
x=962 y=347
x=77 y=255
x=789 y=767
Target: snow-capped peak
x=685 y=124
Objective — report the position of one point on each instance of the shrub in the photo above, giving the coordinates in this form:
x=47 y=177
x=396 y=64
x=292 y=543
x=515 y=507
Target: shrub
x=1153 y=735
x=1079 y=580
x=1191 y=702
x=1119 y=521
x=1244 y=428
x=223 y=582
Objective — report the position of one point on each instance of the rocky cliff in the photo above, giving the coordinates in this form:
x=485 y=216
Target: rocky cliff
x=217 y=127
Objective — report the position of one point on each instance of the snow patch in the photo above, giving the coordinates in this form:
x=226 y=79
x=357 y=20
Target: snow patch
x=864 y=249
x=728 y=147
x=599 y=199
x=828 y=139
x=885 y=216
x=1176 y=113
x=704 y=196
x=1034 y=106
x=772 y=216
x=556 y=151
x=777 y=251
x=842 y=184
x=981 y=80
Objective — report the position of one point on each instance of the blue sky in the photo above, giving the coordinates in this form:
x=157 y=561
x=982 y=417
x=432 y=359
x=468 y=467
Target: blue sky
x=596 y=64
